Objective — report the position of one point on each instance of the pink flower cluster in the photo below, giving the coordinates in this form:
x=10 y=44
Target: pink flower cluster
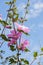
x=13 y=37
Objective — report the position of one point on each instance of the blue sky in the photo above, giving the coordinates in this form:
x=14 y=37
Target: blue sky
x=35 y=21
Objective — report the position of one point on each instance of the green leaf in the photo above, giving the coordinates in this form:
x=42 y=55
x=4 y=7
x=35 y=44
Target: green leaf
x=4 y=37
x=3 y=23
x=10 y=15
x=8 y=3
x=24 y=32
x=0 y=28
x=27 y=50
x=22 y=59
x=14 y=0
x=1 y=51
x=12 y=48
x=16 y=18
x=25 y=61
x=42 y=49
x=18 y=54
x=35 y=54
x=11 y=60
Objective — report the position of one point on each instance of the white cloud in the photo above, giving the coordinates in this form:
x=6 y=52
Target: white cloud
x=21 y=7
x=35 y=8
x=38 y=6
x=40 y=25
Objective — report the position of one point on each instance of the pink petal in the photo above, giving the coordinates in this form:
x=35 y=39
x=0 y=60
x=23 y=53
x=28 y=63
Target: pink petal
x=7 y=26
x=13 y=31
x=10 y=35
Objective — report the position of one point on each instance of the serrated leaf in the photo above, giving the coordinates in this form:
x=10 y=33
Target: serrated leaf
x=4 y=37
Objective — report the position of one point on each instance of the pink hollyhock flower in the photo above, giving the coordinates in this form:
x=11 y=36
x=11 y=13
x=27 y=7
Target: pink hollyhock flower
x=25 y=44
x=11 y=42
x=14 y=34
x=13 y=31
x=7 y=26
x=22 y=27
x=0 y=17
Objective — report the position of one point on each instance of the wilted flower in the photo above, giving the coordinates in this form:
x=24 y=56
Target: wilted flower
x=22 y=28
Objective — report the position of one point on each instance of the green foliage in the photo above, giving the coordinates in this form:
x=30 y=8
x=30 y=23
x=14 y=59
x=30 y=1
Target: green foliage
x=16 y=18
x=25 y=61
x=14 y=0
x=1 y=51
x=4 y=37
x=42 y=49
x=11 y=2
x=35 y=54
x=24 y=32
x=18 y=54
x=27 y=50
x=0 y=28
x=13 y=16
x=11 y=60
x=4 y=23
x=8 y=3
x=10 y=15
x=12 y=48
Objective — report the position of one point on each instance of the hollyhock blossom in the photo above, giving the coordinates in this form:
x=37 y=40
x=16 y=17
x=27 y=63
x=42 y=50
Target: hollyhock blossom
x=14 y=36
x=24 y=44
x=11 y=42
x=22 y=27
